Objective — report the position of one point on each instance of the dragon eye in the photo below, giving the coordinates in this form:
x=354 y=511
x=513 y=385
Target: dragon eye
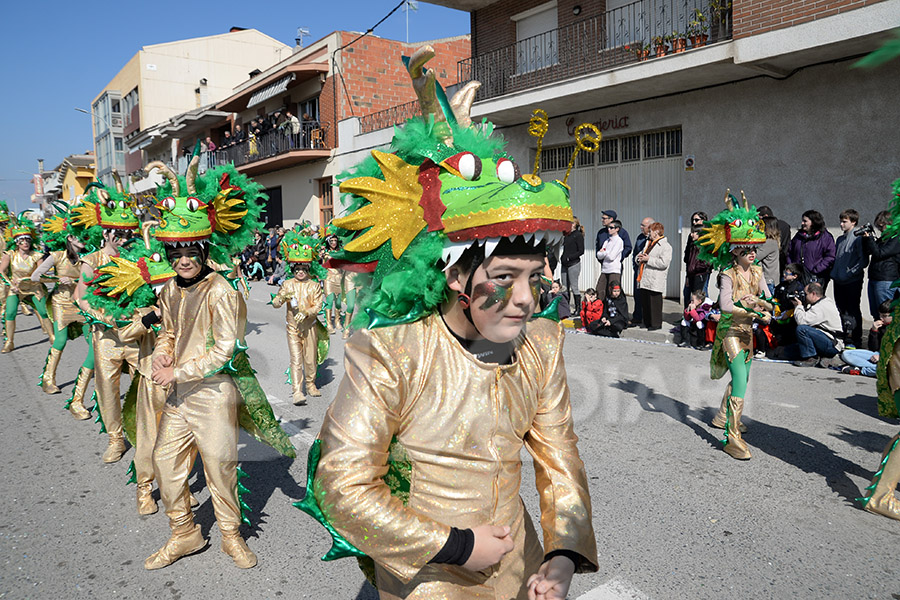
x=751 y=223
x=155 y=257
x=295 y=246
x=121 y=204
x=169 y=203
x=469 y=166
x=111 y=205
x=193 y=204
x=737 y=223
x=507 y=170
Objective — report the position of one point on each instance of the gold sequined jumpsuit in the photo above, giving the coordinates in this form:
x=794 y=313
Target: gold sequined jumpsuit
x=462 y=424
x=64 y=309
x=301 y=329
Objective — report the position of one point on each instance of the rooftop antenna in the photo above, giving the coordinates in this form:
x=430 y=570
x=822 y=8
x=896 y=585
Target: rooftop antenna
x=408 y=6
x=301 y=32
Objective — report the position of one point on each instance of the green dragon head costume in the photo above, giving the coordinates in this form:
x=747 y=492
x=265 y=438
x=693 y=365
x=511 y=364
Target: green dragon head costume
x=738 y=226
x=19 y=226
x=300 y=245
x=106 y=208
x=4 y=214
x=221 y=208
x=58 y=228
x=446 y=186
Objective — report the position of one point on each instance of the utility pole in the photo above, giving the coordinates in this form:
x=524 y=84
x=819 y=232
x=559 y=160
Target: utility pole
x=408 y=6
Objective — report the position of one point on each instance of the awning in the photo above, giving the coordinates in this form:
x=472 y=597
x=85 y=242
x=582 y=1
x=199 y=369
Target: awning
x=273 y=89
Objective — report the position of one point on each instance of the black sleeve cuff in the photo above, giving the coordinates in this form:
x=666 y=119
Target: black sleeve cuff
x=457 y=549
x=150 y=319
x=579 y=561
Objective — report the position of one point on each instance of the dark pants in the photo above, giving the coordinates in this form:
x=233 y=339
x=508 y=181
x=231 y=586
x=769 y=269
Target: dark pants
x=848 y=296
x=651 y=307
x=811 y=342
x=638 y=315
x=605 y=280
x=693 y=283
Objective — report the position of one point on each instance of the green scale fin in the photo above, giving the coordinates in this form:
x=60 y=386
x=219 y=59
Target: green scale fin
x=99 y=418
x=877 y=478
x=132 y=473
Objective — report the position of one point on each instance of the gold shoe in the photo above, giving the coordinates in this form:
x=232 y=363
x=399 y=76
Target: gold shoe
x=719 y=420
x=185 y=540
x=883 y=501
x=9 y=346
x=76 y=402
x=116 y=448
x=194 y=501
x=48 y=379
x=299 y=399
x=146 y=505
x=312 y=390
x=734 y=444
x=234 y=546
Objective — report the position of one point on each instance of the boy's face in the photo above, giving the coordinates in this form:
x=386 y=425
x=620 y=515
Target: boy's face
x=790 y=276
x=886 y=317
x=301 y=272
x=505 y=292
x=847 y=224
x=186 y=261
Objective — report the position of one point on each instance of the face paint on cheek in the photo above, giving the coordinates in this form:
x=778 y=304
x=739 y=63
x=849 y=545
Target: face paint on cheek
x=196 y=260
x=536 y=292
x=492 y=294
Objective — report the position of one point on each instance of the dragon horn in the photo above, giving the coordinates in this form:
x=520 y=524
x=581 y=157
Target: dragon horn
x=729 y=200
x=461 y=103
x=101 y=191
x=167 y=172
x=744 y=200
x=424 y=83
x=191 y=176
x=145 y=231
x=118 y=180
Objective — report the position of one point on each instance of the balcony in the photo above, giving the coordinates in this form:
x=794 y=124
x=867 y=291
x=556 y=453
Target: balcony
x=389 y=117
x=275 y=150
x=618 y=37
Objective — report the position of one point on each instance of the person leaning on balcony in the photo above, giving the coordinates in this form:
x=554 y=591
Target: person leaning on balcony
x=239 y=134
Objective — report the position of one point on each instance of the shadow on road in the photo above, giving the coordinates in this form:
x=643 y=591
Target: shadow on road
x=254 y=328
x=867 y=440
x=367 y=592
x=796 y=449
x=324 y=374
x=867 y=404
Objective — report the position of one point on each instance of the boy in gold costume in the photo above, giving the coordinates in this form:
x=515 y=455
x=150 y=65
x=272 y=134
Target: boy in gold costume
x=303 y=295
x=416 y=470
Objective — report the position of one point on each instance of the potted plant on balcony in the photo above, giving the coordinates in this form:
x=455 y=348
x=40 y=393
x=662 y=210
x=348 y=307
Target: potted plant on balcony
x=661 y=45
x=640 y=49
x=697 y=29
x=679 y=41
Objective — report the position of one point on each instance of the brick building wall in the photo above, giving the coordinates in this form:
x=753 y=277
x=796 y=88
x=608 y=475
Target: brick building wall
x=751 y=17
x=492 y=27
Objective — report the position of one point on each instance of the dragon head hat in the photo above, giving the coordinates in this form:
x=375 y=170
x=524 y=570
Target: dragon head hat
x=106 y=208
x=4 y=214
x=300 y=246
x=58 y=228
x=738 y=226
x=444 y=187
x=20 y=226
x=220 y=207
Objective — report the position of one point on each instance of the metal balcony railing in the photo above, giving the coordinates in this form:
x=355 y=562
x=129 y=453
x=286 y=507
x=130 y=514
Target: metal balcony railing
x=312 y=136
x=620 y=36
x=394 y=115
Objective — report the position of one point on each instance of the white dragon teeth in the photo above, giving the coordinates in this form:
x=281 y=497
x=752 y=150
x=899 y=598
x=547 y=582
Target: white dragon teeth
x=490 y=245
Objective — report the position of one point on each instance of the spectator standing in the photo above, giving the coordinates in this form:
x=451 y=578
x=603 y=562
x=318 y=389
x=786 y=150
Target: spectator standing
x=884 y=263
x=615 y=313
x=696 y=271
x=655 y=261
x=573 y=250
x=271 y=248
x=813 y=248
x=210 y=146
x=607 y=217
x=239 y=135
x=637 y=317
x=769 y=254
x=227 y=140
x=850 y=262
x=292 y=128
x=784 y=231
x=818 y=328
x=610 y=257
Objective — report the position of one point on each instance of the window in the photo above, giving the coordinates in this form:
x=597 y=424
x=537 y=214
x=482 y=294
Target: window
x=115 y=107
x=609 y=152
x=118 y=144
x=326 y=201
x=536 y=38
x=308 y=107
x=631 y=148
x=647 y=146
x=655 y=145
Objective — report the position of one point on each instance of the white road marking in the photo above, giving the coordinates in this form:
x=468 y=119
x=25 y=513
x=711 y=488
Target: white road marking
x=614 y=590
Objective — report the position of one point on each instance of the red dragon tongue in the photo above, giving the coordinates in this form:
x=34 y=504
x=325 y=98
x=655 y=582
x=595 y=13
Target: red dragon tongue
x=145 y=272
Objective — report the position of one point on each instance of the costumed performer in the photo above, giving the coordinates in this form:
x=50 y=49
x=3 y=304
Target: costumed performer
x=65 y=244
x=200 y=352
x=334 y=283
x=112 y=212
x=449 y=376
x=729 y=242
x=4 y=285
x=880 y=498
x=16 y=266
x=303 y=295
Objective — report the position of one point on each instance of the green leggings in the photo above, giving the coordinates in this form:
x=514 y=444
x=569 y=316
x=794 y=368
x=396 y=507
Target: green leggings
x=12 y=306
x=350 y=300
x=62 y=338
x=332 y=301
x=740 y=374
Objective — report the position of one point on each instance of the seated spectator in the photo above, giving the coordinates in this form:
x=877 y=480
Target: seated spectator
x=563 y=308
x=615 y=313
x=712 y=324
x=860 y=362
x=254 y=270
x=818 y=328
x=591 y=311
x=694 y=322
x=277 y=276
x=877 y=332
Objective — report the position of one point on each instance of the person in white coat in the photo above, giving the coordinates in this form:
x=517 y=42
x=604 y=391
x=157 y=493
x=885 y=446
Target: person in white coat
x=654 y=263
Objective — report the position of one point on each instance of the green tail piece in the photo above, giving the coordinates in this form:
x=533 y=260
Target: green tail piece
x=129 y=410
x=72 y=397
x=132 y=472
x=551 y=312
x=99 y=418
x=255 y=413
x=289 y=380
x=242 y=490
x=43 y=371
x=877 y=479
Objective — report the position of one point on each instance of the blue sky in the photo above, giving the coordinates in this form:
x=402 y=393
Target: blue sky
x=59 y=55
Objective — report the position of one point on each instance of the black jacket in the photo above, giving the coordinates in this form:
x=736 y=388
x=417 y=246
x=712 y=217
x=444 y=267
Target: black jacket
x=616 y=310
x=573 y=248
x=885 y=258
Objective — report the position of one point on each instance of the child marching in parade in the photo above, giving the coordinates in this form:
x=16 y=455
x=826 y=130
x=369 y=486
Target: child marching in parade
x=334 y=284
x=449 y=377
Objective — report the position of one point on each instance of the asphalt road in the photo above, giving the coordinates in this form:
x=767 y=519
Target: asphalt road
x=674 y=516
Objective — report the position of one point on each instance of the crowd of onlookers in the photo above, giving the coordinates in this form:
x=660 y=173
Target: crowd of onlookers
x=261 y=261
x=807 y=327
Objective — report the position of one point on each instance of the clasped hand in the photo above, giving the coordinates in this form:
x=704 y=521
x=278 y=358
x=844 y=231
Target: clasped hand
x=163 y=370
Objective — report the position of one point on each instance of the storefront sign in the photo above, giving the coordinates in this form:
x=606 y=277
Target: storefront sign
x=615 y=122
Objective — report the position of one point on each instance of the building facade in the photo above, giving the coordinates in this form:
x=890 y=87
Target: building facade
x=692 y=98
x=164 y=80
